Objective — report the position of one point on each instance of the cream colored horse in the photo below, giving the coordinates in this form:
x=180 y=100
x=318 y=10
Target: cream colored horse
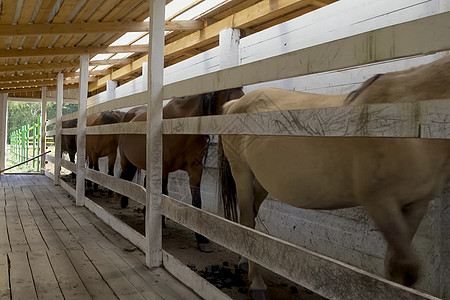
x=393 y=179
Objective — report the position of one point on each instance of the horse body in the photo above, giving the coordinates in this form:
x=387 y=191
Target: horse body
x=180 y=152
x=104 y=144
x=393 y=179
x=96 y=145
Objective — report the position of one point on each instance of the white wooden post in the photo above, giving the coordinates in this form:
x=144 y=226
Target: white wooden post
x=3 y=128
x=43 y=127
x=58 y=127
x=154 y=137
x=111 y=89
x=443 y=233
x=229 y=39
x=145 y=75
x=81 y=129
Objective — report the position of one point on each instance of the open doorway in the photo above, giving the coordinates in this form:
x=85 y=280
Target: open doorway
x=23 y=139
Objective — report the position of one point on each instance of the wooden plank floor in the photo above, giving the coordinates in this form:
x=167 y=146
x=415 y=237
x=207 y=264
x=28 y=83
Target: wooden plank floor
x=52 y=249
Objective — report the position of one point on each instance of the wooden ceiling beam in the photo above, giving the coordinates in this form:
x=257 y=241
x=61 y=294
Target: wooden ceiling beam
x=71 y=51
x=131 y=68
x=92 y=27
x=63 y=65
x=122 y=61
x=28 y=77
x=72 y=28
x=38 y=67
x=38 y=83
x=184 y=25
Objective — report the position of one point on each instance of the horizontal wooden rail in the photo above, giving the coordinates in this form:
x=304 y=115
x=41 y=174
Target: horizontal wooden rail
x=50 y=122
x=118 y=103
x=50 y=158
x=69 y=165
x=70 y=116
x=323 y=275
x=118 y=128
x=426 y=119
x=69 y=131
x=123 y=187
x=397 y=41
x=50 y=133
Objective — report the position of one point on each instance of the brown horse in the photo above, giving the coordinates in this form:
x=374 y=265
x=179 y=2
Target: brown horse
x=180 y=152
x=393 y=179
x=96 y=145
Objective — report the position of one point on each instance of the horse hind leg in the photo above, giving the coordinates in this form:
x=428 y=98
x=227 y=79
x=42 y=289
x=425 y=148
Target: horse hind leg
x=111 y=164
x=398 y=225
x=128 y=172
x=195 y=175
x=248 y=190
x=96 y=168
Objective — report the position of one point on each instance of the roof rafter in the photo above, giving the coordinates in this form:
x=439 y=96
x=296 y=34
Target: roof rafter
x=72 y=51
x=92 y=27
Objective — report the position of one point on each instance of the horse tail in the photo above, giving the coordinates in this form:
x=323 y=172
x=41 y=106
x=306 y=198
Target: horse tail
x=228 y=194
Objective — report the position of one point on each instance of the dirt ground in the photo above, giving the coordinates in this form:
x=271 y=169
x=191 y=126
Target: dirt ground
x=218 y=267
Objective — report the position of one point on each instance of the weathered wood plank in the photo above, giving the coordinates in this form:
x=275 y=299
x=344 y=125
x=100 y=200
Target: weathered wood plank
x=69 y=165
x=48 y=233
x=126 y=231
x=163 y=282
x=44 y=199
x=146 y=290
x=92 y=280
x=296 y=263
x=122 y=288
x=5 y=291
x=123 y=102
x=43 y=276
x=15 y=231
x=4 y=238
x=69 y=281
x=22 y=286
x=30 y=229
x=426 y=119
x=200 y=285
x=129 y=189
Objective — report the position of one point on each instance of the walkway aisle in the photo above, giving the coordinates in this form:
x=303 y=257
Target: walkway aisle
x=52 y=249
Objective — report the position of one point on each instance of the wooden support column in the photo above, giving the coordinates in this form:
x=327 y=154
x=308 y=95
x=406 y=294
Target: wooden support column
x=3 y=128
x=443 y=233
x=81 y=129
x=145 y=75
x=43 y=127
x=58 y=127
x=153 y=224
x=229 y=39
x=111 y=86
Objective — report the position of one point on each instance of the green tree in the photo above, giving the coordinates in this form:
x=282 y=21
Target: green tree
x=22 y=113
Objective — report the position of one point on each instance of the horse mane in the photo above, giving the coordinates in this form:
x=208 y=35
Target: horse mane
x=353 y=95
x=226 y=107
x=208 y=104
x=70 y=123
x=109 y=117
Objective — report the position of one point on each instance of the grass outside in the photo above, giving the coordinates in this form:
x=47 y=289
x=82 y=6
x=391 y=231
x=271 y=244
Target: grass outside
x=12 y=160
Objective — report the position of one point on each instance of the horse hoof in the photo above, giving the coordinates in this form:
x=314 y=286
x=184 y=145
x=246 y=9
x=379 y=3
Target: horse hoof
x=259 y=295
x=123 y=203
x=205 y=247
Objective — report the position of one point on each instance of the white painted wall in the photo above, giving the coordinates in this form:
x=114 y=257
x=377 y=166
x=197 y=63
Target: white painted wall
x=347 y=234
